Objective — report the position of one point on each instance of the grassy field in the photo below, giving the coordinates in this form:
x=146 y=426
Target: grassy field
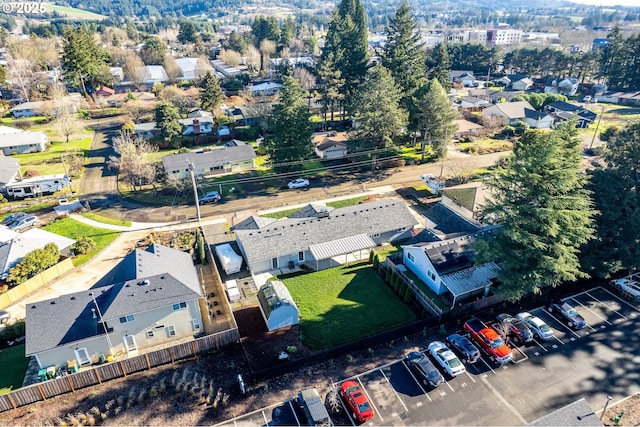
x=73 y=229
x=105 y=220
x=346 y=202
x=343 y=304
x=73 y=13
x=11 y=379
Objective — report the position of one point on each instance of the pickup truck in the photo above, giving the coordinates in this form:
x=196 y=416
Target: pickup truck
x=489 y=340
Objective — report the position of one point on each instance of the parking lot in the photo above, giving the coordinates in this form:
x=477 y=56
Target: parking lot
x=593 y=362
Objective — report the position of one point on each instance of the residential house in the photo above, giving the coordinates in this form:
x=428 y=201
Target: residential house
x=466 y=78
x=265 y=89
x=482 y=93
x=151 y=299
x=117 y=100
x=448 y=267
x=222 y=160
x=622 y=98
x=117 y=73
x=225 y=69
x=16 y=141
x=250 y=115
x=13 y=250
x=538 y=119
x=567 y=86
x=28 y=109
x=192 y=68
x=523 y=84
x=467 y=128
x=104 y=91
x=196 y=126
x=153 y=74
x=469 y=102
x=504 y=96
x=330 y=145
x=511 y=112
x=9 y=171
x=302 y=61
x=563 y=111
x=321 y=237
x=70 y=104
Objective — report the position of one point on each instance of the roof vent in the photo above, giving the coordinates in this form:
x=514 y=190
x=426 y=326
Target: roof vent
x=93 y=313
x=52 y=302
x=144 y=282
x=162 y=277
x=73 y=298
x=33 y=306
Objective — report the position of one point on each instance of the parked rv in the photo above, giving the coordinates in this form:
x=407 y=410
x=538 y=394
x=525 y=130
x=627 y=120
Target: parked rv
x=36 y=186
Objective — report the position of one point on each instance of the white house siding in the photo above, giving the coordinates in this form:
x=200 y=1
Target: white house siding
x=544 y=123
x=23 y=149
x=59 y=356
x=283 y=316
x=417 y=261
x=242 y=166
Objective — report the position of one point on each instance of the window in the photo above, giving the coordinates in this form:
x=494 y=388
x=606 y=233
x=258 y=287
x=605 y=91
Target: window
x=274 y=262
x=83 y=356
x=179 y=306
x=431 y=275
x=171 y=331
x=300 y=256
x=150 y=334
x=195 y=324
x=127 y=319
x=411 y=258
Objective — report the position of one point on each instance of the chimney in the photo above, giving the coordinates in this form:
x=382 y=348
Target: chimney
x=196 y=126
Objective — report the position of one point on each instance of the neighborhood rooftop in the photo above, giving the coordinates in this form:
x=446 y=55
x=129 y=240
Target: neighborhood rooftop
x=208 y=159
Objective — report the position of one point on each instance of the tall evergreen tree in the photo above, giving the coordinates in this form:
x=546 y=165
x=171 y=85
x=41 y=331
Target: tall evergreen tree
x=433 y=117
x=210 y=92
x=167 y=116
x=377 y=108
x=404 y=55
x=289 y=140
x=346 y=46
x=544 y=211
x=330 y=88
x=439 y=65
x=84 y=62
x=616 y=195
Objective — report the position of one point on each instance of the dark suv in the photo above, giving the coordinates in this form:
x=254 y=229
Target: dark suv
x=424 y=370
x=521 y=332
x=464 y=347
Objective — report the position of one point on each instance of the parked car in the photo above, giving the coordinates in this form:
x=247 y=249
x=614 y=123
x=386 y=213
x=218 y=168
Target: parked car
x=298 y=183
x=521 y=332
x=13 y=217
x=23 y=223
x=356 y=401
x=4 y=317
x=464 y=347
x=629 y=286
x=424 y=370
x=314 y=410
x=570 y=315
x=210 y=197
x=446 y=358
x=537 y=326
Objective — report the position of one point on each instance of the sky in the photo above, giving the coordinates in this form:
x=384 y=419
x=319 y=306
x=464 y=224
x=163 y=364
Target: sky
x=609 y=2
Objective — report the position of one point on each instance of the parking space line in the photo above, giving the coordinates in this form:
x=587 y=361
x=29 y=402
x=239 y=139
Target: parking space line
x=561 y=342
x=469 y=375
x=394 y=390
x=416 y=380
x=235 y=424
x=266 y=421
x=370 y=399
x=504 y=401
x=447 y=383
x=563 y=325
x=239 y=417
x=596 y=314
x=293 y=411
x=487 y=365
x=540 y=345
x=620 y=299
x=601 y=302
x=346 y=411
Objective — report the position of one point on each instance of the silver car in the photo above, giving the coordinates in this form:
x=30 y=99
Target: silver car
x=23 y=223
x=537 y=326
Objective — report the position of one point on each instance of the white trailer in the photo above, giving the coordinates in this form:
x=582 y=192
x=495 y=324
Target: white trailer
x=36 y=186
x=230 y=260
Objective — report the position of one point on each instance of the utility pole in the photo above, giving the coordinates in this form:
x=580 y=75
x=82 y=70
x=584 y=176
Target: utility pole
x=597 y=126
x=195 y=189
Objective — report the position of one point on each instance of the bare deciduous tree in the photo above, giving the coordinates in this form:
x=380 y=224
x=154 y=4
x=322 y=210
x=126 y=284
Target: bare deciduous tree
x=171 y=67
x=253 y=57
x=132 y=160
x=66 y=124
x=267 y=48
x=231 y=57
x=306 y=79
x=463 y=168
x=493 y=123
x=137 y=109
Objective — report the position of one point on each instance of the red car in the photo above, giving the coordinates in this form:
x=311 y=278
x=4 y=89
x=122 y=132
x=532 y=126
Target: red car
x=356 y=401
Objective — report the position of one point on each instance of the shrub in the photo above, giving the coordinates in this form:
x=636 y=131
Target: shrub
x=376 y=260
x=200 y=247
x=12 y=331
x=33 y=263
x=23 y=124
x=372 y=254
x=292 y=349
x=83 y=245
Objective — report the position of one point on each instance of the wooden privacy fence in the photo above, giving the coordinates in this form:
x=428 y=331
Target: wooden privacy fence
x=102 y=373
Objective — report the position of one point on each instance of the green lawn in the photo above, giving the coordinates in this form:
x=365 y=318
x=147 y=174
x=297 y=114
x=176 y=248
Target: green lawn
x=346 y=202
x=13 y=357
x=105 y=220
x=73 y=229
x=281 y=214
x=73 y=13
x=343 y=304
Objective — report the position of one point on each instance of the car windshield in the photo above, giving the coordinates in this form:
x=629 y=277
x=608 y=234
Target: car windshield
x=454 y=362
x=572 y=312
x=434 y=374
x=545 y=328
x=364 y=407
x=497 y=343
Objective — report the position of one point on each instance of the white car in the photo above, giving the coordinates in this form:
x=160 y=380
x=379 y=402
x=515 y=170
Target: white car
x=537 y=326
x=629 y=286
x=446 y=358
x=298 y=183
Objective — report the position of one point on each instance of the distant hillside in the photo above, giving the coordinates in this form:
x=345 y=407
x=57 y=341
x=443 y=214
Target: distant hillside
x=146 y=8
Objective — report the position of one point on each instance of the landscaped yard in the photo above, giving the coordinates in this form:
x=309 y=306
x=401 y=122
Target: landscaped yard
x=73 y=229
x=343 y=304
x=13 y=357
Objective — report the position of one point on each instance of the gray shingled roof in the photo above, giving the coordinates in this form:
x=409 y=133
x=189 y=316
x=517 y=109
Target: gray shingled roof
x=9 y=167
x=578 y=413
x=254 y=222
x=69 y=318
x=204 y=160
x=298 y=234
x=311 y=210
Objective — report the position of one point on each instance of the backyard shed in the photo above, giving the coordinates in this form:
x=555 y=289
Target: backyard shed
x=230 y=260
x=277 y=306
